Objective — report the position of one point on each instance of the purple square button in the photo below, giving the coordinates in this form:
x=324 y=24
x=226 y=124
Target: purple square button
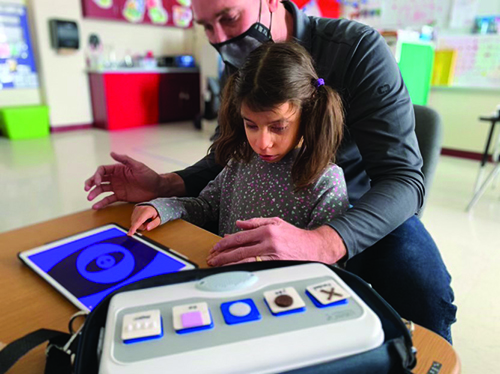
x=192 y=319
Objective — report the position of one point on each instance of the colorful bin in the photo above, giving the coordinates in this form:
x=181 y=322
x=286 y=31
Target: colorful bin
x=25 y=122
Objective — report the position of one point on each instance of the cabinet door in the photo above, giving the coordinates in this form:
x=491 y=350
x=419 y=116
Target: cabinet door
x=132 y=99
x=179 y=98
x=98 y=98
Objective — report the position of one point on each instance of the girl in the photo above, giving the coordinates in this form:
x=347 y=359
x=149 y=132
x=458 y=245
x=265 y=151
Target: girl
x=280 y=128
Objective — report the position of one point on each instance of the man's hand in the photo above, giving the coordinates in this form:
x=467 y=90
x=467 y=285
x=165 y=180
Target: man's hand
x=144 y=217
x=275 y=239
x=131 y=181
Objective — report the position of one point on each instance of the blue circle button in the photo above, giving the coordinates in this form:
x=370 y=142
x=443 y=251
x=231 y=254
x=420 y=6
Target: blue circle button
x=240 y=311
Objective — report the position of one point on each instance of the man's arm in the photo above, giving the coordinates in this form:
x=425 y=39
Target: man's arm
x=381 y=120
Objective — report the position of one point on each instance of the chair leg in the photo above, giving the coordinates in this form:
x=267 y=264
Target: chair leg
x=484 y=186
x=496 y=158
x=479 y=179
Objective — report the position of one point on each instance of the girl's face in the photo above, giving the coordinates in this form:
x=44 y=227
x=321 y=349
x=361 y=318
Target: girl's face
x=272 y=134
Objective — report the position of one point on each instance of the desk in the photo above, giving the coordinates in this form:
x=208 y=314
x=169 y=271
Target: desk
x=479 y=188
x=27 y=299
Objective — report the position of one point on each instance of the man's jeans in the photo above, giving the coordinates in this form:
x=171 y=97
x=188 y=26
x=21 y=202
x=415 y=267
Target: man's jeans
x=406 y=269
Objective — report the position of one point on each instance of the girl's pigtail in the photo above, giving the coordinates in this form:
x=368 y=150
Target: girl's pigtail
x=322 y=124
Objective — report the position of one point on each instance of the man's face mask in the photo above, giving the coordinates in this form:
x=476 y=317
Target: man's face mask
x=236 y=50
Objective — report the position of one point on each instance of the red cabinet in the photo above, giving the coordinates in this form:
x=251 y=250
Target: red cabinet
x=130 y=99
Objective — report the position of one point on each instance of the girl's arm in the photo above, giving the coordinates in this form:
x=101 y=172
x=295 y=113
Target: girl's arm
x=196 y=210
x=332 y=197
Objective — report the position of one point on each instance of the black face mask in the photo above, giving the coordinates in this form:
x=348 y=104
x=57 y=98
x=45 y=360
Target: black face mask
x=235 y=51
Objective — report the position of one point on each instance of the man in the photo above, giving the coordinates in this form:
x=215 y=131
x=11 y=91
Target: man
x=380 y=237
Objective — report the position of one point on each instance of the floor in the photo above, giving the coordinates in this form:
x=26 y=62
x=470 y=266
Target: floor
x=43 y=179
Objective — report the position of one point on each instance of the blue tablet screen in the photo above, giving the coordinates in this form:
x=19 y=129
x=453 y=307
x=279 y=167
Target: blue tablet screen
x=92 y=267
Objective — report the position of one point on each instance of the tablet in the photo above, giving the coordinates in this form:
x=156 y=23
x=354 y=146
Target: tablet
x=88 y=266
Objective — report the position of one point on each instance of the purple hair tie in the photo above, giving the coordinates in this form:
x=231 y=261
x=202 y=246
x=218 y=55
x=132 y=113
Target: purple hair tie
x=320 y=82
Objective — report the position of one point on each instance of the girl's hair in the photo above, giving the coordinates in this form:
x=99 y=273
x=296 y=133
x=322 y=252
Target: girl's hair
x=274 y=74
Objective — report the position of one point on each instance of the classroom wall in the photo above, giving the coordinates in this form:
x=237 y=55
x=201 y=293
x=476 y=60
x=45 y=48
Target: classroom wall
x=65 y=87
x=460 y=109
x=206 y=56
x=15 y=97
x=488 y=7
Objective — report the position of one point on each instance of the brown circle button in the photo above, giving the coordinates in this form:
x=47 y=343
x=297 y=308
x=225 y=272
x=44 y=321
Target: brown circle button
x=284 y=301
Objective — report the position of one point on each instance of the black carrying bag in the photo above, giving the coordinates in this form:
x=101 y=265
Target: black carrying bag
x=395 y=355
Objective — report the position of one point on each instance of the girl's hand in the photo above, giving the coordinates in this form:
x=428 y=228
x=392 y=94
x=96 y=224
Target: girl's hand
x=144 y=217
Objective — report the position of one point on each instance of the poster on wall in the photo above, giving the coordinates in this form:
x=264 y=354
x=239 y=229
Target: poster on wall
x=463 y=14
x=366 y=11
x=404 y=13
x=17 y=61
x=478 y=59
x=173 y=13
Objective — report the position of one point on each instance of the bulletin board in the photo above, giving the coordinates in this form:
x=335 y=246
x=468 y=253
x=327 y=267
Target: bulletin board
x=403 y=13
x=475 y=61
x=17 y=60
x=478 y=59
x=171 y=13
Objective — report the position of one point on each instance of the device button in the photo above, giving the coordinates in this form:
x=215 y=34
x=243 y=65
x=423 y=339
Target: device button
x=142 y=326
x=191 y=318
x=230 y=281
x=240 y=311
x=284 y=301
x=326 y=294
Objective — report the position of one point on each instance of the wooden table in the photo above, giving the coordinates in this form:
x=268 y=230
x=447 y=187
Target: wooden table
x=433 y=351
x=29 y=303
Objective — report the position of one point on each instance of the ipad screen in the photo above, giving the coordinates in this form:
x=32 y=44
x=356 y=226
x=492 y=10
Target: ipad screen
x=92 y=267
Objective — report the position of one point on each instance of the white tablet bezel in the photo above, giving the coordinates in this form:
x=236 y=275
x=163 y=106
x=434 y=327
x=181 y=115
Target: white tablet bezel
x=24 y=257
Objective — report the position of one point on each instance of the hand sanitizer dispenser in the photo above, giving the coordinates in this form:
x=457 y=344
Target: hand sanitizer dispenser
x=65 y=35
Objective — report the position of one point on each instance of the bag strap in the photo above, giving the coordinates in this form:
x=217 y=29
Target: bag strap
x=18 y=348
x=60 y=352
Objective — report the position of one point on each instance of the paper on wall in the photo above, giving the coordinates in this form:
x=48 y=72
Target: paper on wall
x=463 y=14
